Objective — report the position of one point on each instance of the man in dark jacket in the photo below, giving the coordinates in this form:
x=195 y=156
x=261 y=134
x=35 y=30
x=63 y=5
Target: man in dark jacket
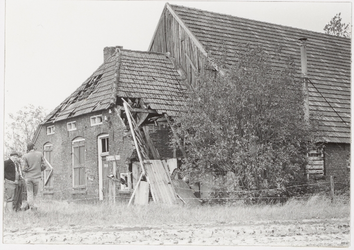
x=11 y=177
x=33 y=165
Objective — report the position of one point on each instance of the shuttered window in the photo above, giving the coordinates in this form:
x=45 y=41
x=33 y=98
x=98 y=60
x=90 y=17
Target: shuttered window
x=315 y=164
x=48 y=148
x=78 y=163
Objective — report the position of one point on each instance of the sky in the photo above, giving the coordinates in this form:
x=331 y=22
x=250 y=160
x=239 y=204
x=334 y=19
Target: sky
x=52 y=47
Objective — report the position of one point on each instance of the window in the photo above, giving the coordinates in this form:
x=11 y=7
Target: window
x=315 y=164
x=48 y=148
x=105 y=145
x=50 y=130
x=71 y=126
x=125 y=181
x=96 y=120
x=78 y=163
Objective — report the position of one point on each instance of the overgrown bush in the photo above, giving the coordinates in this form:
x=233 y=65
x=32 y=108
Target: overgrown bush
x=248 y=121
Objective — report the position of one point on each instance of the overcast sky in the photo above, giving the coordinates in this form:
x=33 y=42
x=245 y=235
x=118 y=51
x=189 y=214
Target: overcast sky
x=54 y=46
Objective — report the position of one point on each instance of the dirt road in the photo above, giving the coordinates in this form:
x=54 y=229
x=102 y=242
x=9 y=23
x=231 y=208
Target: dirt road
x=318 y=232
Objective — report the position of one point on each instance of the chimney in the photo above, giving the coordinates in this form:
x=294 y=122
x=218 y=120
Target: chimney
x=109 y=51
x=303 y=57
x=305 y=81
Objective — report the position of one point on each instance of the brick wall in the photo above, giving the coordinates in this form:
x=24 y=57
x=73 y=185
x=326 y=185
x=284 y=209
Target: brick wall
x=120 y=143
x=336 y=162
x=62 y=153
x=161 y=136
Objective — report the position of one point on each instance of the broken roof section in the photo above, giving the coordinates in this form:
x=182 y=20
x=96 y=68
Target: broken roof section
x=329 y=59
x=149 y=76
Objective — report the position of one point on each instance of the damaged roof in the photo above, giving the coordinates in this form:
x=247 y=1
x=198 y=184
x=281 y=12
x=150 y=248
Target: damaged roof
x=149 y=76
x=329 y=59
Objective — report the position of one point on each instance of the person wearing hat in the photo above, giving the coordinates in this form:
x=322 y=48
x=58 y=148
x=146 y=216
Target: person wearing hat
x=11 y=177
x=33 y=165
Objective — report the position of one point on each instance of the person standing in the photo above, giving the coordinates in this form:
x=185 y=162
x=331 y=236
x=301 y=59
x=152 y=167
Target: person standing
x=17 y=202
x=11 y=177
x=33 y=165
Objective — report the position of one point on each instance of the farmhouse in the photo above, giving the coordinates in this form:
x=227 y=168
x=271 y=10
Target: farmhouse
x=90 y=126
x=87 y=139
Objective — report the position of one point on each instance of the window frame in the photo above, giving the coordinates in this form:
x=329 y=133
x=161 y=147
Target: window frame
x=93 y=120
x=70 y=124
x=50 y=130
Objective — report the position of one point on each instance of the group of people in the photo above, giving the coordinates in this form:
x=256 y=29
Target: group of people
x=22 y=173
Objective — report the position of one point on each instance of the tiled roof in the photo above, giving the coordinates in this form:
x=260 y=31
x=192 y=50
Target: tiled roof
x=329 y=60
x=147 y=75
x=152 y=77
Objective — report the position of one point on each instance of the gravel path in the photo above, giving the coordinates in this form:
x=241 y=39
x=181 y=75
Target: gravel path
x=319 y=232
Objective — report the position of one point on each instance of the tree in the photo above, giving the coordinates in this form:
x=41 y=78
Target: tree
x=336 y=27
x=249 y=122
x=21 y=127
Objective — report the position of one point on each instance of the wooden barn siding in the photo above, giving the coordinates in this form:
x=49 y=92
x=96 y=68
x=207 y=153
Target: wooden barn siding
x=171 y=37
x=337 y=157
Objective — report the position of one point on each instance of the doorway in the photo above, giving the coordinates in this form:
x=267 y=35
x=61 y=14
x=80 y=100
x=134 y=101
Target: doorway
x=103 y=169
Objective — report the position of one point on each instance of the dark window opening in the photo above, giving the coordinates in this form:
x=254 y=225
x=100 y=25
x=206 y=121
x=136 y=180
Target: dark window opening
x=105 y=145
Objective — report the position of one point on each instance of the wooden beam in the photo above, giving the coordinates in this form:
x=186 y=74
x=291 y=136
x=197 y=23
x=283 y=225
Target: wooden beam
x=135 y=189
x=191 y=63
x=50 y=173
x=192 y=37
x=133 y=110
x=190 y=34
x=134 y=137
x=153 y=149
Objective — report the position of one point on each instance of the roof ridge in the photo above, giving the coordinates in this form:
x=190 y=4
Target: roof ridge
x=145 y=52
x=263 y=22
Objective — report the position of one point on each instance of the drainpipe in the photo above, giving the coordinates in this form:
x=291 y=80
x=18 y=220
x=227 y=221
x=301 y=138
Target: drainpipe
x=305 y=86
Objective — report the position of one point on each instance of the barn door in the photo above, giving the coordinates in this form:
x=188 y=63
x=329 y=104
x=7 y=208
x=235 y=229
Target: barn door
x=103 y=168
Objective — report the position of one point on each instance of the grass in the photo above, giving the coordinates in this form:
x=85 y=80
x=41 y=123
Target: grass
x=62 y=213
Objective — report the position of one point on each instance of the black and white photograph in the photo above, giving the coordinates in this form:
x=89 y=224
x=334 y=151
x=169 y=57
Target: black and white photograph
x=145 y=124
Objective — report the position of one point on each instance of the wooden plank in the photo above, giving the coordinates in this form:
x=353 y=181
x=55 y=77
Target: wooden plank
x=171 y=164
x=312 y=158
x=140 y=110
x=113 y=182
x=314 y=171
x=159 y=182
x=133 y=134
x=136 y=171
x=185 y=192
x=50 y=173
x=191 y=63
x=135 y=190
x=315 y=162
x=314 y=167
x=168 y=174
x=142 y=194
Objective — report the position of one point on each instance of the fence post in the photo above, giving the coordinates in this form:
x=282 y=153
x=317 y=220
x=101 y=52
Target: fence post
x=332 y=188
